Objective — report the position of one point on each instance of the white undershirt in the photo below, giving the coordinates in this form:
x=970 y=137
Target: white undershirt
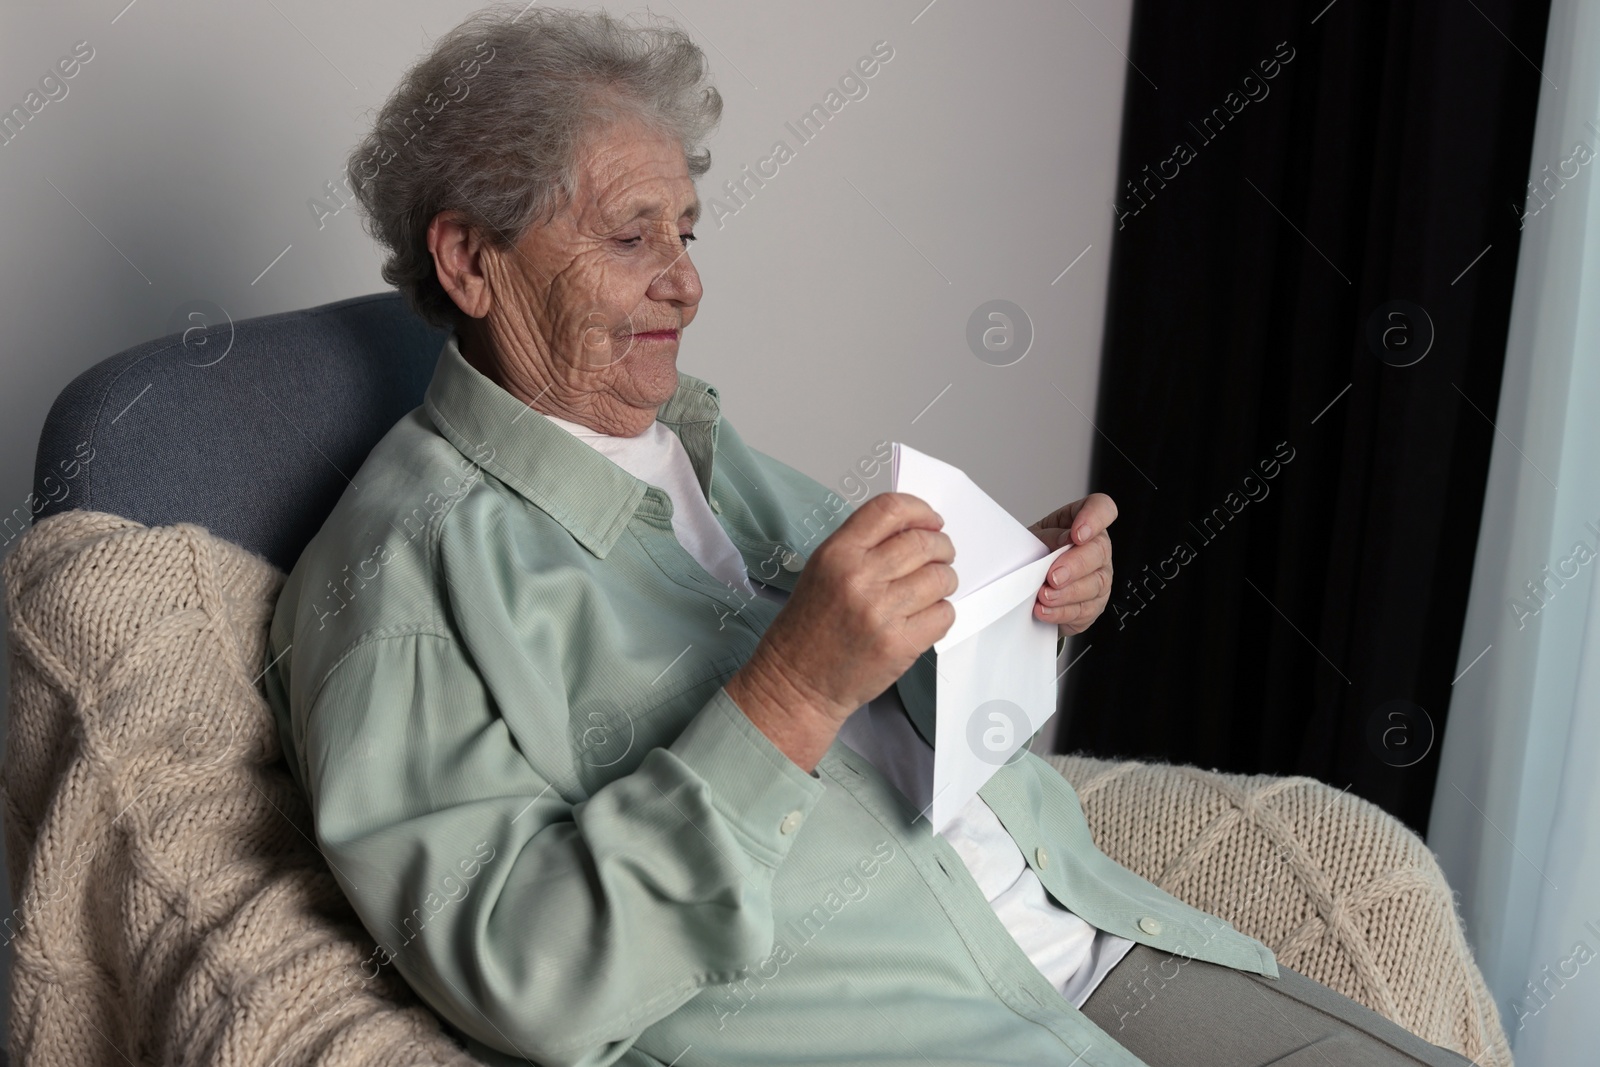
x=657 y=458
x=1070 y=953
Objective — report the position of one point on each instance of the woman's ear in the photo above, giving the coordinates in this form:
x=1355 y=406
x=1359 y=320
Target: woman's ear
x=458 y=258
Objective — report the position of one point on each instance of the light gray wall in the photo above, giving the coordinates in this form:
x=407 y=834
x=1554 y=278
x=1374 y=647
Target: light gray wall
x=980 y=164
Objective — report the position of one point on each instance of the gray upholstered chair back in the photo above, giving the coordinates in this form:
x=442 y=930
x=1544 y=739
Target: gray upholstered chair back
x=250 y=429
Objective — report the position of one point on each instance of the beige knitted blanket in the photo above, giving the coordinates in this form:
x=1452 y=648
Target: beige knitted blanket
x=1337 y=888
x=172 y=909
x=170 y=906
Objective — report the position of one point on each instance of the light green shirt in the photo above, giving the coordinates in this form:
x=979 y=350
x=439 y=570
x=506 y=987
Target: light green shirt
x=501 y=685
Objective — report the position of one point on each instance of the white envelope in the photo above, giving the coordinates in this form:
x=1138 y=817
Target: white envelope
x=996 y=682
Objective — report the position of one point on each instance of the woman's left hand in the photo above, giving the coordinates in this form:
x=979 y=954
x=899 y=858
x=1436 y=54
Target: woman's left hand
x=1078 y=586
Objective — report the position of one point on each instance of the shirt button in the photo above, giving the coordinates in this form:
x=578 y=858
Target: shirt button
x=793 y=562
x=716 y=505
x=790 y=823
x=1150 y=926
x=1042 y=858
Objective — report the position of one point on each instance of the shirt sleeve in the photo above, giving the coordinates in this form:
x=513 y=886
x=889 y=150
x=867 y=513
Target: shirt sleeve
x=554 y=931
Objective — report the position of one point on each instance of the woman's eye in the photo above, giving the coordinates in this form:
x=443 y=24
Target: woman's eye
x=633 y=242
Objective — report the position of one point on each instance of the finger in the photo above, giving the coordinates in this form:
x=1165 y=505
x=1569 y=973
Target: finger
x=1056 y=615
x=1091 y=516
x=1090 y=587
x=1061 y=518
x=885 y=515
x=902 y=553
x=927 y=585
x=1052 y=536
x=931 y=623
x=1082 y=560
x=1073 y=617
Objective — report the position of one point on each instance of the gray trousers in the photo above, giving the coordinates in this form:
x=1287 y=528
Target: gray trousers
x=1175 y=1012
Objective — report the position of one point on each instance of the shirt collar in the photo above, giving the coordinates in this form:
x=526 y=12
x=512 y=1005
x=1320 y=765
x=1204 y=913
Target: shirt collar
x=580 y=488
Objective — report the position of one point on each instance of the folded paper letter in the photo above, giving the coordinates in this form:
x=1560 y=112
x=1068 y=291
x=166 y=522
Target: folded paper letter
x=996 y=680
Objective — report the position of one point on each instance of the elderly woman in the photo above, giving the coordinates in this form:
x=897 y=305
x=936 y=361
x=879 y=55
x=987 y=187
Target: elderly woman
x=610 y=767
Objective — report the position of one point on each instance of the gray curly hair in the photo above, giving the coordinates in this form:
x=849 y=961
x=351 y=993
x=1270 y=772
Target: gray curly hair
x=490 y=121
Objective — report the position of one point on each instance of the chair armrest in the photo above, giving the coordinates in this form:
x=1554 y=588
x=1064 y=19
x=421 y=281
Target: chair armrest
x=1340 y=891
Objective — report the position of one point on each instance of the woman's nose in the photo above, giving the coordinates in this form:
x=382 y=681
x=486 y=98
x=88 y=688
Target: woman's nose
x=676 y=281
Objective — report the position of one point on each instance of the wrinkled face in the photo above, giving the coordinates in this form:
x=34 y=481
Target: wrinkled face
x=599 y=296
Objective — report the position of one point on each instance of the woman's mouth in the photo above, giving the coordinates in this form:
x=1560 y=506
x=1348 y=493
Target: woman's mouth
x=654 y=335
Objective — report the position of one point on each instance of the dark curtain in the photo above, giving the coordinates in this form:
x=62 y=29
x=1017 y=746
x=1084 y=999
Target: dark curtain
x=1314 y=248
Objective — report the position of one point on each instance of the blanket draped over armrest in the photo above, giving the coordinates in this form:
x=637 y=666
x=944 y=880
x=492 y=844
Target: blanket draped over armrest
x=1339 y=890
x=172 y=908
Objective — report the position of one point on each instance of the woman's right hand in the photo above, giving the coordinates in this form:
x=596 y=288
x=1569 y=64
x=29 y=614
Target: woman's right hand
x=871 y=599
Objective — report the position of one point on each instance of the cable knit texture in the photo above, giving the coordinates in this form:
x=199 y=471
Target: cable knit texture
x=170 y=907
x=1338 y=889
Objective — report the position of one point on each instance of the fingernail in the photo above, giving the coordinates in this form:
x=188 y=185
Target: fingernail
x=1083 y=534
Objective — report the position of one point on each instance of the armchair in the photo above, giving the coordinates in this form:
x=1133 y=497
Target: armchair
x=170 y=904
